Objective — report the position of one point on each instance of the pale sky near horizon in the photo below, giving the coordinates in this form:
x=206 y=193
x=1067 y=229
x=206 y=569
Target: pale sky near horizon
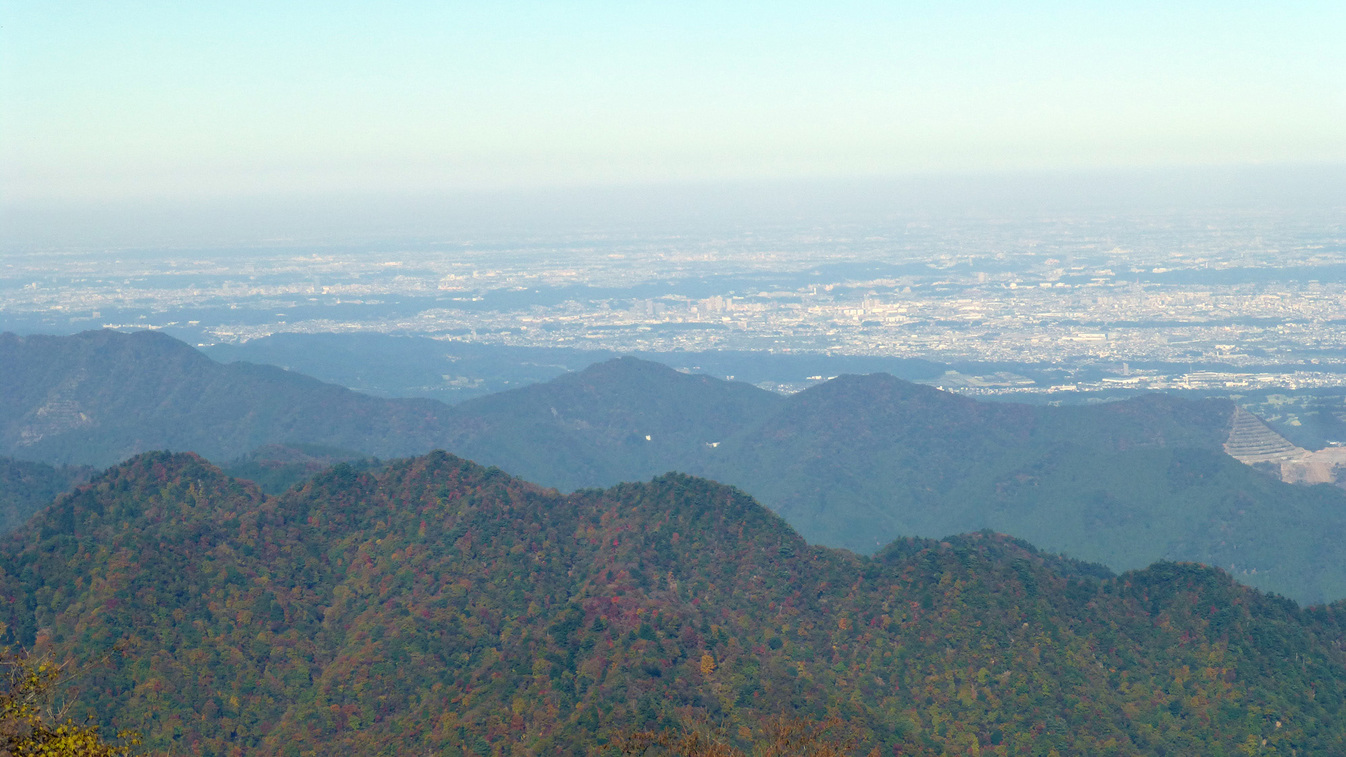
x=115 y=100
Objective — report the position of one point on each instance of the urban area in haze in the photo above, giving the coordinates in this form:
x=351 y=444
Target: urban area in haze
x=1184 y=300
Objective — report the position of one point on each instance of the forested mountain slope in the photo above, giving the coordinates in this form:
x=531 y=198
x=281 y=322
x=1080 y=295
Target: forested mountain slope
x=860 y=460
x=99 y=397
x=878 y=449
x=620 y=420
x=26 y=487
x=441 y=606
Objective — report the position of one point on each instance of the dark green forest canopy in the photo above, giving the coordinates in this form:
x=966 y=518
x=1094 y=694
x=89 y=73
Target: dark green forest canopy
x=438 y=605
x=26 y=487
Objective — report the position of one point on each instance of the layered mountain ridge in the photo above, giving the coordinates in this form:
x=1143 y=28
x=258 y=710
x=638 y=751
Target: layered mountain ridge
x=854 y=462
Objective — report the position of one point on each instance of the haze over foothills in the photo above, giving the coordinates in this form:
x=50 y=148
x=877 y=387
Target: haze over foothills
x=586 y=243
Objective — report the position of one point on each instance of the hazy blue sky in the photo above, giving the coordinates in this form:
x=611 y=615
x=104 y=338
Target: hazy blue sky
x=106 y=99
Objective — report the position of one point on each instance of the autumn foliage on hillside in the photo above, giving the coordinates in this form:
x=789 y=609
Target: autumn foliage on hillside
x=441 y=606
x=31 y=721
x=779 y=736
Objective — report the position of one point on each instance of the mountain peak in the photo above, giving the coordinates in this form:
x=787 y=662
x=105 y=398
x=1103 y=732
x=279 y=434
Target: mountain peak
x=101 y=396
x=149 y=488
x=629 y=368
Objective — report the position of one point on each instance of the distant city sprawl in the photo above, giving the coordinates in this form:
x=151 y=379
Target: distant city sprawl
x=1037 y=306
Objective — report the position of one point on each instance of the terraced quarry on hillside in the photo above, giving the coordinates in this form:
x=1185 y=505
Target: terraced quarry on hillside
x=1251 y=441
